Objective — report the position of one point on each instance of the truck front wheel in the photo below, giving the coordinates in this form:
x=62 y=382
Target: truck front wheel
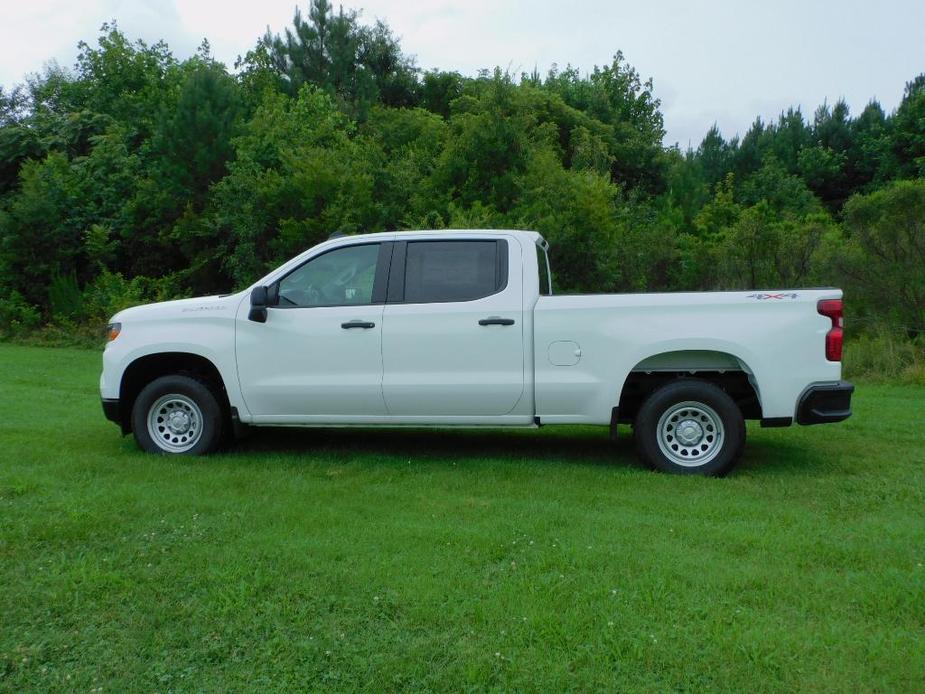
x=690 y=427
x=177 y=415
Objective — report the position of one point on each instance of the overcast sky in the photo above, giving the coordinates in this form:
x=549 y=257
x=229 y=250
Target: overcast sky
x=712 y=61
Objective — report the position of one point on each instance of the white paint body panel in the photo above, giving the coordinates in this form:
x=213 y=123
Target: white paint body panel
x=780 y=343
x=565 y=359
x=203 y=326
x=301 y=362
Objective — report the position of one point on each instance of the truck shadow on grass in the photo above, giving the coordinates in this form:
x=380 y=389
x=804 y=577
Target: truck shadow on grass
x=570 y=446
x=581 y=445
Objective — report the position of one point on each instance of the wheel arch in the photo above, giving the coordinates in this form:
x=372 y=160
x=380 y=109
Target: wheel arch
x=145 y=369
x=726 y=370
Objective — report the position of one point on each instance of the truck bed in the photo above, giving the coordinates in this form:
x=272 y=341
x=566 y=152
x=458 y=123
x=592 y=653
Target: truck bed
x=776 y=337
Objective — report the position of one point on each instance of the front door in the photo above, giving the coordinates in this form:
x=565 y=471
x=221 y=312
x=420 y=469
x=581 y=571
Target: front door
x=452 y=341
x=318 y=357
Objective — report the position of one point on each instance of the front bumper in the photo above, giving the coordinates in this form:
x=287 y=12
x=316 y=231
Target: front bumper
x=825 y=403
x=113 y=411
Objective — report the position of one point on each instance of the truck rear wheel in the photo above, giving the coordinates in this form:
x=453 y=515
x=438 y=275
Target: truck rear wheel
x=690 y=427
x=177 y=415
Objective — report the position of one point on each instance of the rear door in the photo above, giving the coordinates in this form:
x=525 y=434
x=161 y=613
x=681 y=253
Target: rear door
x=452 y=337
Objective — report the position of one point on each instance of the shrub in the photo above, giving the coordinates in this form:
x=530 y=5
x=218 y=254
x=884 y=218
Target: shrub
x=110 y=292
x=17 y=316
x=65 y=298
x=63 y=333
x=883 y=256
x=886 y=356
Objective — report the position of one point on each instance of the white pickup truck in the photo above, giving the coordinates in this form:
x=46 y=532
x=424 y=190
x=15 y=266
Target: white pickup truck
x=461 y=328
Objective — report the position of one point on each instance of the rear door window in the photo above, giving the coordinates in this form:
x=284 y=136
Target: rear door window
x=441 y=271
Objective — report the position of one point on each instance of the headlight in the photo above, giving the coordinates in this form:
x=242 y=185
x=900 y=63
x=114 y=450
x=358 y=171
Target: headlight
x=112 y=331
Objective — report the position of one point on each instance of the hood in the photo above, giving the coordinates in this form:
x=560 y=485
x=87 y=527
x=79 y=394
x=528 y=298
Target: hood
x=193 y=308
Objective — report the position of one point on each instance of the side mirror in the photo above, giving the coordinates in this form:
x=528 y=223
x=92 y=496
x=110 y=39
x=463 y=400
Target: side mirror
x=259 y=302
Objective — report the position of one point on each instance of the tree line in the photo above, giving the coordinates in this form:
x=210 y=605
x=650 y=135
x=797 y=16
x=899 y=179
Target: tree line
x=135 y=176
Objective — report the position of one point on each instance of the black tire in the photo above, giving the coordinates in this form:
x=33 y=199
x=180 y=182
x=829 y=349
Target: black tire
x=187 y=397
x=713 y=434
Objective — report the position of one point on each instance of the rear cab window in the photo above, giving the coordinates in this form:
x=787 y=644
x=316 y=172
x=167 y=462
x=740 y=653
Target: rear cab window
x=542 y=263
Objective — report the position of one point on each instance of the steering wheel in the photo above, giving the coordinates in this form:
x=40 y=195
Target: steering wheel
x=302 y=297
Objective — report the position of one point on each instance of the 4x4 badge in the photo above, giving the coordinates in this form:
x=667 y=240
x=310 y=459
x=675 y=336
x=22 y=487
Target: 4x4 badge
x=764 y=296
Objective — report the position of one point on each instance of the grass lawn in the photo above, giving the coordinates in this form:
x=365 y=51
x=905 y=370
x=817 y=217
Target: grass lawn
x=429 y=560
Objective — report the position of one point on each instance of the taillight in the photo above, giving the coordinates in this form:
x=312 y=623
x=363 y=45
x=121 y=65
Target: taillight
x=832 y=308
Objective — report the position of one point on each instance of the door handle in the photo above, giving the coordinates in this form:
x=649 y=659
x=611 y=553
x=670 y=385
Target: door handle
x=496 y=320
x=366 y=325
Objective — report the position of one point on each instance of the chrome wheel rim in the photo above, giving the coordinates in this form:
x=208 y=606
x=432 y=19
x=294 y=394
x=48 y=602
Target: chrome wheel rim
x=690 y=433
x=175 y=423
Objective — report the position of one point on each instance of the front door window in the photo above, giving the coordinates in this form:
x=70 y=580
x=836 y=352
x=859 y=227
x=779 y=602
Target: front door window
x=342 y=277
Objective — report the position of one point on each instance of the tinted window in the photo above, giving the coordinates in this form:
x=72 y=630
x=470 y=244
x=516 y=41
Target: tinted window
x=542 y=262
x=454 y=270
x=342 y=277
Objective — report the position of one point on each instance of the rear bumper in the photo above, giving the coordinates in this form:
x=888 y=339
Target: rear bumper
x=826 y=403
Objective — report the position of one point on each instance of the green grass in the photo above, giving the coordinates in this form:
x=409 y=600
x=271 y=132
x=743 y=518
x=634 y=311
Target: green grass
x=522 y=560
